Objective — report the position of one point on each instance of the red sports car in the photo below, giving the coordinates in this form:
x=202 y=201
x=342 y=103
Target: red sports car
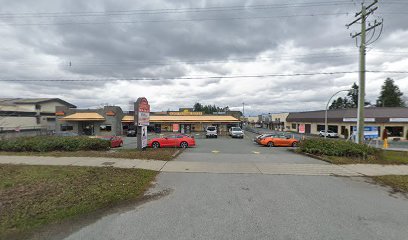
x=178 y=140
x=114 y=140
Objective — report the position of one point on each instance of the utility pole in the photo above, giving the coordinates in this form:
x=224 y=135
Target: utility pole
x=362 y=15
x=243 y=109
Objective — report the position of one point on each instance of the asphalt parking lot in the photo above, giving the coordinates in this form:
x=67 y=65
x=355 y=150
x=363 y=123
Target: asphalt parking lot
x=225 y=149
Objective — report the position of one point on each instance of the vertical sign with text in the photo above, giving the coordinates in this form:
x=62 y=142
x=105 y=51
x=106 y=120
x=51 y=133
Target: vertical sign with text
x=142 y=120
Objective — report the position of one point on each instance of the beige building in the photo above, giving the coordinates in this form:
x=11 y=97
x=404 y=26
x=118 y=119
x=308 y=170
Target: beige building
x=186 y=122
x=21 y=114
x=279 y=121
x=342 y=121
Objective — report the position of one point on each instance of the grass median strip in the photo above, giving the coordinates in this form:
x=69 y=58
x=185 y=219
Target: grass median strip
x=150 y=153
x=383 y=157
x=33 y=196
x=396 y=182
x=345 y=152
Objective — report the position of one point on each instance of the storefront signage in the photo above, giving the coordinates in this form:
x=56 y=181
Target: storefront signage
x=370 y=132
x=301 y=128
x=355 y=119
x=142 y=112
x=144 y=136
x=175 y=127
x=398 y=119
x=185 y=113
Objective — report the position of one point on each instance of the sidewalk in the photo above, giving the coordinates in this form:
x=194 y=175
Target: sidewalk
x=220 y=168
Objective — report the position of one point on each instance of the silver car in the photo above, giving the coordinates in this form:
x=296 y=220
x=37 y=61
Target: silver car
x=236 y=132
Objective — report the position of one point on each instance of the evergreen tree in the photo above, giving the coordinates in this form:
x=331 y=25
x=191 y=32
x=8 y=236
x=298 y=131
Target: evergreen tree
x=390 y=95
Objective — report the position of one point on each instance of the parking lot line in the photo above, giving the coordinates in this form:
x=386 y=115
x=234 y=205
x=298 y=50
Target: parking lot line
x=255 y=152
x=215 y=151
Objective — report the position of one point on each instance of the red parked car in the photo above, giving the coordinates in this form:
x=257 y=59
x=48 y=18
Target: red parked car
x=178 y=140
x=114 y=140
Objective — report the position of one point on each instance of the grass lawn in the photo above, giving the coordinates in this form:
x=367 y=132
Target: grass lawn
x=150 y=153
x=398 y=183
x=33 y=196
x=384 y=157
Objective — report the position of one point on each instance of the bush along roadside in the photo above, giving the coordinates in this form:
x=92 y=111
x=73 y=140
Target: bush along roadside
x=53 y=143
x=337 y=148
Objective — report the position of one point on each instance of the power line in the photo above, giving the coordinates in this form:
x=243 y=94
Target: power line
x=195 y=78
x=173 y=10
x=176 y=20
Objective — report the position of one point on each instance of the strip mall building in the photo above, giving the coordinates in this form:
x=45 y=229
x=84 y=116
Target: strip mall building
x=186 y=121
x=342 y=121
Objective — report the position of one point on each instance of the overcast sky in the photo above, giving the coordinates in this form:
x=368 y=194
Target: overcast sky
x=206 y=42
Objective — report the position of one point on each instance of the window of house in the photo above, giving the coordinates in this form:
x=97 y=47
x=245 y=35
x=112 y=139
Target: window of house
x=50 y=119
x=293 y=125
x=66 y=128
x=105 y=128
x=38 y=120
x=37 y=107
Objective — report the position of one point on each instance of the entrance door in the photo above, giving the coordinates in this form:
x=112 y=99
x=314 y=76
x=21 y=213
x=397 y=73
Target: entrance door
x=87 y=129
x=308 y=128
x=182 y=128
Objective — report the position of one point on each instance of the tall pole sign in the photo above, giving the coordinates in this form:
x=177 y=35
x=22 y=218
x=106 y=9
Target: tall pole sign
x=142 y=118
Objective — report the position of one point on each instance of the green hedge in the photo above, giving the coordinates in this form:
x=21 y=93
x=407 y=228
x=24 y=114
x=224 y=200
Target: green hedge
x=53 y=143
x=336 y=148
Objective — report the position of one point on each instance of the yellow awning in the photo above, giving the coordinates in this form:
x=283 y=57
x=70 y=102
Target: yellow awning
x=89 y=116
x=187 y=119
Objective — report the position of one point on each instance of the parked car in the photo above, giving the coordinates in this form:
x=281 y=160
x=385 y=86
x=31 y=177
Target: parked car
x=178 y=140
x=211 y=131
x=258 y=138
x=279 y=141
x=114 y=140
x=236 y=132
x=131 y=133
x=330 y=134
x=67 y=134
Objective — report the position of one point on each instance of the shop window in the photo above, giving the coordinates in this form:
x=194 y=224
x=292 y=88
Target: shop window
x=395 y=131
x=50 y=119
x=38 y=120
x=37 y=107
x=293 y=125
x=66 y=128
x=320 y=128
x=105 y=128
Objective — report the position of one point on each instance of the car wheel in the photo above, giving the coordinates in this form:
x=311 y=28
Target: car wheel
x=183 y=145
x=206 y=136
x=155 y=145
x=270 y=144
x=216 y=136
x=294 y=144
x=121 y=144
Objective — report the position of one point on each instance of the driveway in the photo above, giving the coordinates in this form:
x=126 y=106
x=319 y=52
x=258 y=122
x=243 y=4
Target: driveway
x=233 y=150
x=255 y=206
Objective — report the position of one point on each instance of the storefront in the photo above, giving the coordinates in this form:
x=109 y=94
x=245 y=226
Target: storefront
x=187 y=122
x=100 y=122
x=343 y=121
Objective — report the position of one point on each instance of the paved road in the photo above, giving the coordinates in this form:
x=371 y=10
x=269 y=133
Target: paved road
x=256 y=206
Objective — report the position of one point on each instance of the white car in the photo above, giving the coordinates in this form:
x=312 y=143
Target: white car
x=236 y=132
x=330 y=134
x=211 y=131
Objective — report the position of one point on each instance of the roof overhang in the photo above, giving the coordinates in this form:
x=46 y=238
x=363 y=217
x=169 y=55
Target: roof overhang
x=83 y=117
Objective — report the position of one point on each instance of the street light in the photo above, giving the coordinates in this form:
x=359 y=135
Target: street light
x=327 y=106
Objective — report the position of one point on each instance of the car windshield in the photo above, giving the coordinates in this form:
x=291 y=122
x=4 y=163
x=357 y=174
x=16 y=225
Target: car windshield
x=211 y=128
x=236 y=129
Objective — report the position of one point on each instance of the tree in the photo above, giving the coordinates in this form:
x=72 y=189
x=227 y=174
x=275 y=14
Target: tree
x=350 y=101
x=198 y=107
x=390 y=95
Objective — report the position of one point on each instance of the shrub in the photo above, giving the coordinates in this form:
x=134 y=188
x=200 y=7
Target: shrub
x=53 y=143
x=336 y=148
